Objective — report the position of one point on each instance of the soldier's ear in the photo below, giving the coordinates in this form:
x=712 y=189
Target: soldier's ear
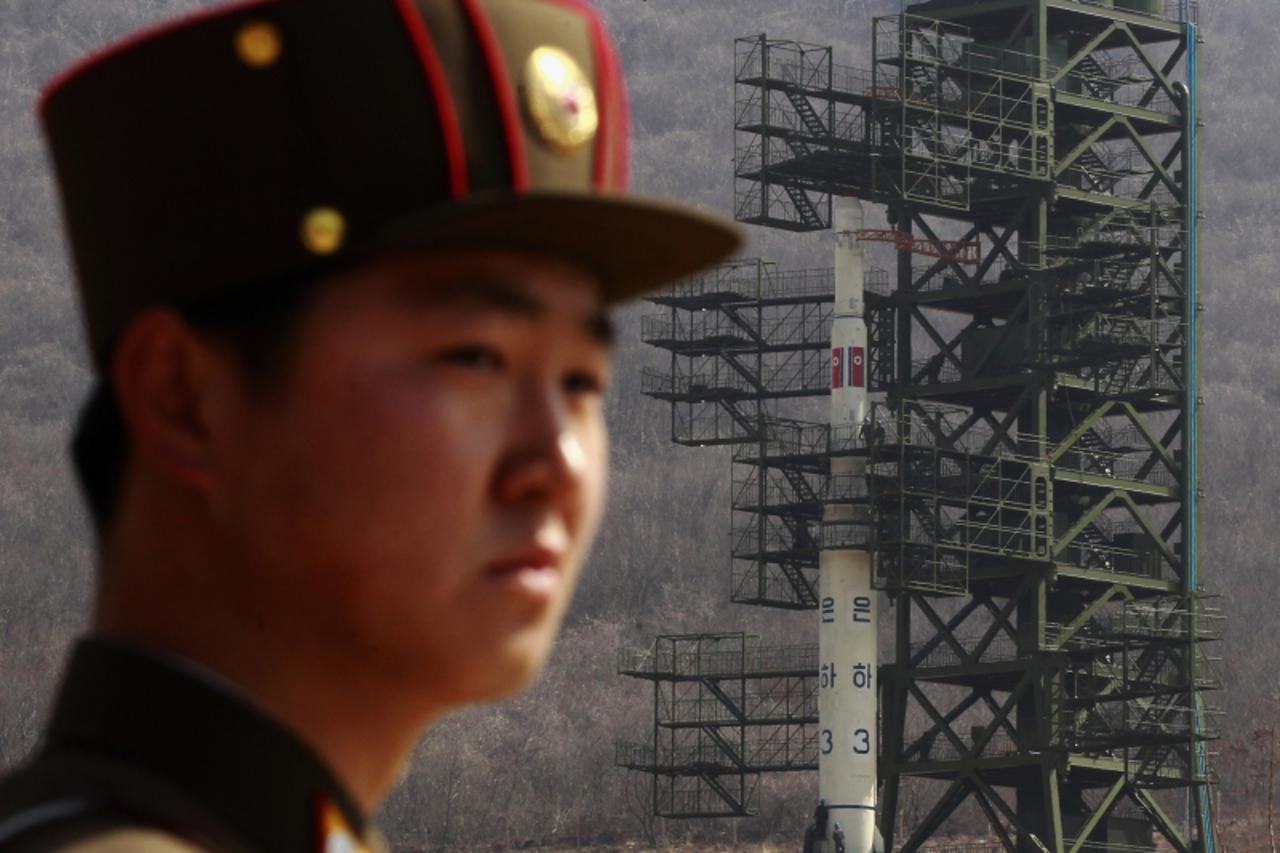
x=164 y=380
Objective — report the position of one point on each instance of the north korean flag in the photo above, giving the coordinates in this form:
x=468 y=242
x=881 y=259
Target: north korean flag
x=837 y=367
x=857 y=377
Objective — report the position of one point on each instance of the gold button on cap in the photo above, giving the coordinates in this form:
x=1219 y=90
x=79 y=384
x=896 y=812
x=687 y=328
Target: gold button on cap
x=559 y=100
x=258 y=44
x=323 y=230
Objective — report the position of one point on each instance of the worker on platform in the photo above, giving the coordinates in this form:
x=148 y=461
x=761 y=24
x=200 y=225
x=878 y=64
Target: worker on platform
x=816 y=831
x=837 y=838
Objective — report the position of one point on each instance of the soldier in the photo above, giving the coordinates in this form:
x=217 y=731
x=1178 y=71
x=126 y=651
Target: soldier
x=344 y=269
x=837 y=838
x=816 y=832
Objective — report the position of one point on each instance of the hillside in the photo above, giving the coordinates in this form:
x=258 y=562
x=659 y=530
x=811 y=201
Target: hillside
x=539 y=769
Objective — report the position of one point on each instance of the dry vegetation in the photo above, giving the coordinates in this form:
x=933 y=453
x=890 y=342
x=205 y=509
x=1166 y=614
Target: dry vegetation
x=537 y=771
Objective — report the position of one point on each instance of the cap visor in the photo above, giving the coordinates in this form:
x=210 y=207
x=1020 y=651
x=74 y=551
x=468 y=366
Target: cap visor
x=633 y=244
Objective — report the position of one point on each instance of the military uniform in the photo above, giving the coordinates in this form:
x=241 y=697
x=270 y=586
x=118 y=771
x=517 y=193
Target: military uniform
x=149 y=753
x=280 y=140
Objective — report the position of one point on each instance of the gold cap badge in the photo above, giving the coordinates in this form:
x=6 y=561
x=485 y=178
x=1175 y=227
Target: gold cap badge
x=258 y=43
x=559 y=99
x=323 y=230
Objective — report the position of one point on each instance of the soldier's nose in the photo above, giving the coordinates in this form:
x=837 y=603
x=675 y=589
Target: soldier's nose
x=547 y=459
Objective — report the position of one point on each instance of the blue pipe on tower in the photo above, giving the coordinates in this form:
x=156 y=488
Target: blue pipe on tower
x=1193 y=382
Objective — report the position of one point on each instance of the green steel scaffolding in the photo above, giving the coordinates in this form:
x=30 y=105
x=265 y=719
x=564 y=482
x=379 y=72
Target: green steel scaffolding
x=1031 y=462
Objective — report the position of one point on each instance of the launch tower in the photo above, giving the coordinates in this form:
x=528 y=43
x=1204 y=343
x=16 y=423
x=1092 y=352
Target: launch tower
x=1030 y=464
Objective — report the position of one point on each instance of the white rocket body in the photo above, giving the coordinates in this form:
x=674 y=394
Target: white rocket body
x=847 y=611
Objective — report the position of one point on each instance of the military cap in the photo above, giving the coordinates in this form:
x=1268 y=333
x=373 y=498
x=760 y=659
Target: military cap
x=268 y=138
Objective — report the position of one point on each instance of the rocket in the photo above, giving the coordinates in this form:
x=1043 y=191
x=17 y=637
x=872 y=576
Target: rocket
x=845 y=819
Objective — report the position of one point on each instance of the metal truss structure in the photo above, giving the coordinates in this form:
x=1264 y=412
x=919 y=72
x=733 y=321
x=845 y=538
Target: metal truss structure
x=1031 y=472
x=749 y=345
x=726 y=709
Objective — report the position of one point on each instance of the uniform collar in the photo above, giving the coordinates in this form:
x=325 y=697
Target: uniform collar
x=192 y=731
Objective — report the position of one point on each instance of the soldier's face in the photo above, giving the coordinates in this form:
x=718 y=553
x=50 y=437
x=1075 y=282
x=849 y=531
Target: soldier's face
x=422 y=491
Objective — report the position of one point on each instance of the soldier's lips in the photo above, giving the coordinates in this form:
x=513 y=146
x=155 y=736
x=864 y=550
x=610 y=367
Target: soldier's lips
x=533 y=575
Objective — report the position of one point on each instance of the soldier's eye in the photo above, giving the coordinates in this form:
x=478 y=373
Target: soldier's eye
x=584 y=382
x=474 y=356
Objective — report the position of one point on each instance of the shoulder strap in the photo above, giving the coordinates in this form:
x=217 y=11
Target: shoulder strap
x=41 y=815
x=81 y=821
x=70 y=799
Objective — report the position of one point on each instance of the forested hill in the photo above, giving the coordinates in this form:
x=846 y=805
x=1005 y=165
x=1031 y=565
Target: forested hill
x=539 y=768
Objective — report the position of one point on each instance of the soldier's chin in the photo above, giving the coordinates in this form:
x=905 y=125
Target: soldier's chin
x=514 y=669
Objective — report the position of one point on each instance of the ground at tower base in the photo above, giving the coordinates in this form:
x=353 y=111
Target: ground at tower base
x=1236 y=837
